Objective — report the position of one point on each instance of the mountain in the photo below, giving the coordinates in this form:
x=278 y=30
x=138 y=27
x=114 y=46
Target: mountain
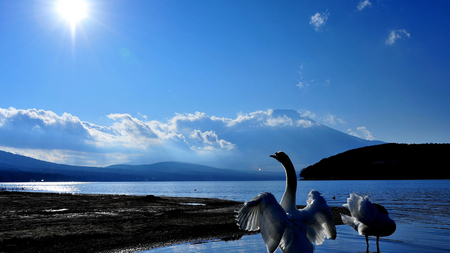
x=243 y=142
x=303 y=139
x=386 y=161
x=177 y=171
x=199 y=143
x=17 y=168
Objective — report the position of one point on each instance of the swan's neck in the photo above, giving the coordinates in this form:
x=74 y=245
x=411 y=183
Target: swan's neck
x=288 y=200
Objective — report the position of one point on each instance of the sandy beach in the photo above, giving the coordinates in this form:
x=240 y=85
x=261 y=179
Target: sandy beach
x=52 y=222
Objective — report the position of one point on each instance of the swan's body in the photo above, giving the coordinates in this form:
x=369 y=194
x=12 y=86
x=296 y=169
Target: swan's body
x=369 y=219
x=282 y=224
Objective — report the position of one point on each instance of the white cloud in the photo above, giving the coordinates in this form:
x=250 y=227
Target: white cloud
x=279 y=121
x=301 y=84
x=209 y=141
x=319 y=19
x=38 y=132
x=305 y=123
x=253 y=119
x=363 y=4
x=333 y=120
x=363 y=132
x=132 y=132
x=394 y=35
x=308 y=114
x=269 y=119
x=189 y=137
x=36 y=129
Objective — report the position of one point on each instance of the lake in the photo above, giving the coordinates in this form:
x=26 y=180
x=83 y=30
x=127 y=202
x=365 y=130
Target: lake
x=421 y=209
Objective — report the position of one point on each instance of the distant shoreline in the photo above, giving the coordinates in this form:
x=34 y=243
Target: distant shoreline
x=53 y=222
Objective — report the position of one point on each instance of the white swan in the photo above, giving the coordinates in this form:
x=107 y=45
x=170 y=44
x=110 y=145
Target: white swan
x=283 y=225
x=369 y=219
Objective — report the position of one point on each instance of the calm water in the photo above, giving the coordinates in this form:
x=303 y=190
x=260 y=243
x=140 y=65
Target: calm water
x=421 y=209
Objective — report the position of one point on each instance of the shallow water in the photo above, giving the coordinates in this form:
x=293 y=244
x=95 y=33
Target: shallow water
x=421 y=208
x=407 y=238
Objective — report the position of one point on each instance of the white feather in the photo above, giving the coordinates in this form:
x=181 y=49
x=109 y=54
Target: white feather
x=265 y=213
x=367 y=218
x=282 y=225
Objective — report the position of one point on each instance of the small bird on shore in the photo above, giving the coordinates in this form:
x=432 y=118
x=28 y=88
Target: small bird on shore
x=369 y=219
x=282 y=224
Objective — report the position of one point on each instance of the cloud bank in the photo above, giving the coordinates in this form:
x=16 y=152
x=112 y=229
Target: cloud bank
x=184 y=137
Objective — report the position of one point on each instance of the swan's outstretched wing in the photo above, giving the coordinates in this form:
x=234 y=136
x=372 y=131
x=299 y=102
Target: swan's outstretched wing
x=265 y=213
x=318 y=218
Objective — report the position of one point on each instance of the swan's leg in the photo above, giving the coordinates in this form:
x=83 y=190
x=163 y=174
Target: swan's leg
x=378 y=245
x=367 y=241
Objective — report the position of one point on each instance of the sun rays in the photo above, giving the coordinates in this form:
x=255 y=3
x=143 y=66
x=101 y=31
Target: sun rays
x=72 y=11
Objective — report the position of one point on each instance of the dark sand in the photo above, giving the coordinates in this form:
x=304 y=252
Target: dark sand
x=51 y=222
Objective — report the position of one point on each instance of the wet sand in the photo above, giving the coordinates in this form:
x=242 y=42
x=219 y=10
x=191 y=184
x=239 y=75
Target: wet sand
x=52 y=222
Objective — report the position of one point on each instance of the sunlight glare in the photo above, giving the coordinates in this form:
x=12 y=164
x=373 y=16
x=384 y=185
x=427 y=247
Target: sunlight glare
x=73 y=11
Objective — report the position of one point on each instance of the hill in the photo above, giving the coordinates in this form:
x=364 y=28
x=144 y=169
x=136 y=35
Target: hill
x=17 y=168
x=178 y=171
x=385 y=161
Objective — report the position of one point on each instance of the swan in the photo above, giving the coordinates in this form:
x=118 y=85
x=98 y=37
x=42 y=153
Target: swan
x=369 y=219
x=282 y=224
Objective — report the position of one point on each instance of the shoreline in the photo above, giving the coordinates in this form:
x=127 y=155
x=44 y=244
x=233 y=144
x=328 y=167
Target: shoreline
x=63 y=222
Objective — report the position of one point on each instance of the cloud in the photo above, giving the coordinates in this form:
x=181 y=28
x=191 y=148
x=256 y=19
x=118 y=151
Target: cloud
x=302 y=84
x=363 y=4
x=210 y=140
x=269 y=118
x=38 y=132
x=279 y=121
x=362 y=130
x=319 y=19
x=305 y=123
x=42 y=129
x=394 y=35
x=307 y=114
x=189 y=137
x=333 y=120
x=132 y=132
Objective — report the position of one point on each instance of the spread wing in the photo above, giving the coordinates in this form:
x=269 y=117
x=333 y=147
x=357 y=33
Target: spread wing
x=318 y=218
x=364 y=213
x=265 y=213
x=361 y=208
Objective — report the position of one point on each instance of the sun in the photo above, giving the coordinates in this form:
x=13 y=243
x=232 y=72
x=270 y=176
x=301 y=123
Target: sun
x=73 y=11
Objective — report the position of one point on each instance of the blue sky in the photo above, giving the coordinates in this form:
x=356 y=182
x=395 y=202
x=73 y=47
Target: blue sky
x=374 y=69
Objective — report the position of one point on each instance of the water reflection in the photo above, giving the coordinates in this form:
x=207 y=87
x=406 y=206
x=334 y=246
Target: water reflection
x=58 y=187
x=408 y=238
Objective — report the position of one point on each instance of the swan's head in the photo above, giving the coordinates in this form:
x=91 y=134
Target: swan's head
x=281 y=157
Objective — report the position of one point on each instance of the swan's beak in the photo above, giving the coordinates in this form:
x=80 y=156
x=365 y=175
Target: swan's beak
x=273 y=156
